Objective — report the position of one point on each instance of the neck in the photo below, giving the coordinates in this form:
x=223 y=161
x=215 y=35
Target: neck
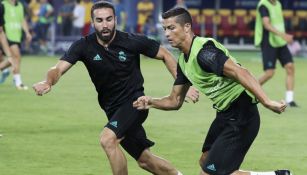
x=12 y=2
x=186 y=44
x=103 y=43
x=272 y=1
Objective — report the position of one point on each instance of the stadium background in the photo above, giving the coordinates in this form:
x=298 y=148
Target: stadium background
x=231 y=22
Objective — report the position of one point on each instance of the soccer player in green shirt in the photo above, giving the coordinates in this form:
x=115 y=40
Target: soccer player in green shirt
x=15 y=22
x=207 y=65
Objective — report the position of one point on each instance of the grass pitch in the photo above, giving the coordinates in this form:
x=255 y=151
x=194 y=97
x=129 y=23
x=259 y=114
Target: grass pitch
x=58 y=134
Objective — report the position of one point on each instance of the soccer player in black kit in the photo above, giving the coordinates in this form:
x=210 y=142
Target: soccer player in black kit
x=112 y=59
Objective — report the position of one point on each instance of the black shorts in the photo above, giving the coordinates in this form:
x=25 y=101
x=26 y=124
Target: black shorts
x=230 y=136
x=126 y=121
x=13 y=43
x=271 y=54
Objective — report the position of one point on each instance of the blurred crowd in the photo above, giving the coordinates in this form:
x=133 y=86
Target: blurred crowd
x=67 y=20
x=72 y=19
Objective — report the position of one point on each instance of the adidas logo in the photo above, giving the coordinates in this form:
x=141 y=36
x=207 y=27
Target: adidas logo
x=211 y=167
x=97 y=58
x=114 y=123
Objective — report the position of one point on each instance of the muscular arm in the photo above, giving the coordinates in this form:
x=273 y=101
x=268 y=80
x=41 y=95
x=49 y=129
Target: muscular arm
x=25 y=28
x=168 y=59
x=172 y=102
x=53 y=76
x=171 y=64
x=268 y=26
x=247 y=80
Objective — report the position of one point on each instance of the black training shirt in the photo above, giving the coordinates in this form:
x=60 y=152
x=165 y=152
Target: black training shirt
x=115 y=71
x=210 y=59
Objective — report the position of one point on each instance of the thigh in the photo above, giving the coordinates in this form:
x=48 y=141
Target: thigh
x=135 y=142
x=15 y=48
x=126 y=122
x=214 y=131
x=126 y=118
x=230 y=147
x=284 y=55
x=269 y=56
x=1 y=54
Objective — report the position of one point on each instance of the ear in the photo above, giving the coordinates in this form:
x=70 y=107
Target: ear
x=187 y=27
x=92 y=23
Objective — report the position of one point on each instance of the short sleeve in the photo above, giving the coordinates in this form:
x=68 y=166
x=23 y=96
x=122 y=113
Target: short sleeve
x=145 y=45
x=1 y=14
x=75 y=52
x=211 y=59
x=181 y=78
x=264 y=12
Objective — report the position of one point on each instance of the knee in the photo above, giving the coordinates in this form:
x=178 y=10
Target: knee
x=202 y=159
x=144 y=162
x=269 y=73
x=289 y=68
x=108 y=141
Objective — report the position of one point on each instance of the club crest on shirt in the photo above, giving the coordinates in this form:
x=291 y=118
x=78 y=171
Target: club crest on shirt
x=122 y=56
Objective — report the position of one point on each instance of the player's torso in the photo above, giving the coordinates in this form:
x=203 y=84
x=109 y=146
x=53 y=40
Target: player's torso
x=111 y=61
x=114 y=70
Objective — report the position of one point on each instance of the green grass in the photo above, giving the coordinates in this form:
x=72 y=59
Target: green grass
x=58 y=134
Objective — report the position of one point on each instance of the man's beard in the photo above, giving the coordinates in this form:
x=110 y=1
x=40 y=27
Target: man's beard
x=105 y=38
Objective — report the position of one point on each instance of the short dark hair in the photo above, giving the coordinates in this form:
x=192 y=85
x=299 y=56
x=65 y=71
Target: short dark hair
x=101 y=4
x=182 y=15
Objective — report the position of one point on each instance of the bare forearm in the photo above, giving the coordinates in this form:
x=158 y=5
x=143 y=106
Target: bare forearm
x=53 y=76
x=172 y=102
x=248 y=81
x=168 y=59
x=171 y=64
x=25 y=27
x=165 y=103
x=271 y=28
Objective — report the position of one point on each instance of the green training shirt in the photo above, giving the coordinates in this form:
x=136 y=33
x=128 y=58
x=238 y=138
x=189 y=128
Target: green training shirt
x=221 y=90
x=13 y=17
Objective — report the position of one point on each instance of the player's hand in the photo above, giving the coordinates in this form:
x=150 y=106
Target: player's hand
x=28 y=37
x=275 y=106
x=142 y=103
x=192 y=94
x=41 y=88
x=288 y=38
